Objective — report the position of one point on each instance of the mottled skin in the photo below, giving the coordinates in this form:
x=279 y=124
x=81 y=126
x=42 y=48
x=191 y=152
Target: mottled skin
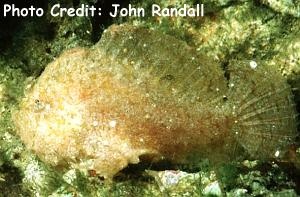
x=140 y=94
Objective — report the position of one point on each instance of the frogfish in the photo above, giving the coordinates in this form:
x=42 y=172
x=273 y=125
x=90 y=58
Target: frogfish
x=140 y=95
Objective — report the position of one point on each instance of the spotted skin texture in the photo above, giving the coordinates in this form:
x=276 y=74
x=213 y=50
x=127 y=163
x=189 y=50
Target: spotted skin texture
x=142 y=94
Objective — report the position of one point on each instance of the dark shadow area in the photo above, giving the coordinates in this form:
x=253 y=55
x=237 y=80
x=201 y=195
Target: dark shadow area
x=292 y=173
x=11 y=185
x=9 y=24
x=100 y=23
x=138 y=171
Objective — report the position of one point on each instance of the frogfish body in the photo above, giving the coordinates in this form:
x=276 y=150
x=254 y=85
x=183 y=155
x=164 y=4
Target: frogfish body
x=139 y=94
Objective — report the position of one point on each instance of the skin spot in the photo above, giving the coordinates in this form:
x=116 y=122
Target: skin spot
x=112 y=123
x=162 y=101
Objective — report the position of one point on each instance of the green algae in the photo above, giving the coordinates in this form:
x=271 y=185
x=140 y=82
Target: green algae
x=291 y=8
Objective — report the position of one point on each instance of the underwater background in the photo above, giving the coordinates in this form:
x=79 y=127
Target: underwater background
x=261 y=30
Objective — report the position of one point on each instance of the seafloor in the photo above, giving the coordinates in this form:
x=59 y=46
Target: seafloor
x=264 y=30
